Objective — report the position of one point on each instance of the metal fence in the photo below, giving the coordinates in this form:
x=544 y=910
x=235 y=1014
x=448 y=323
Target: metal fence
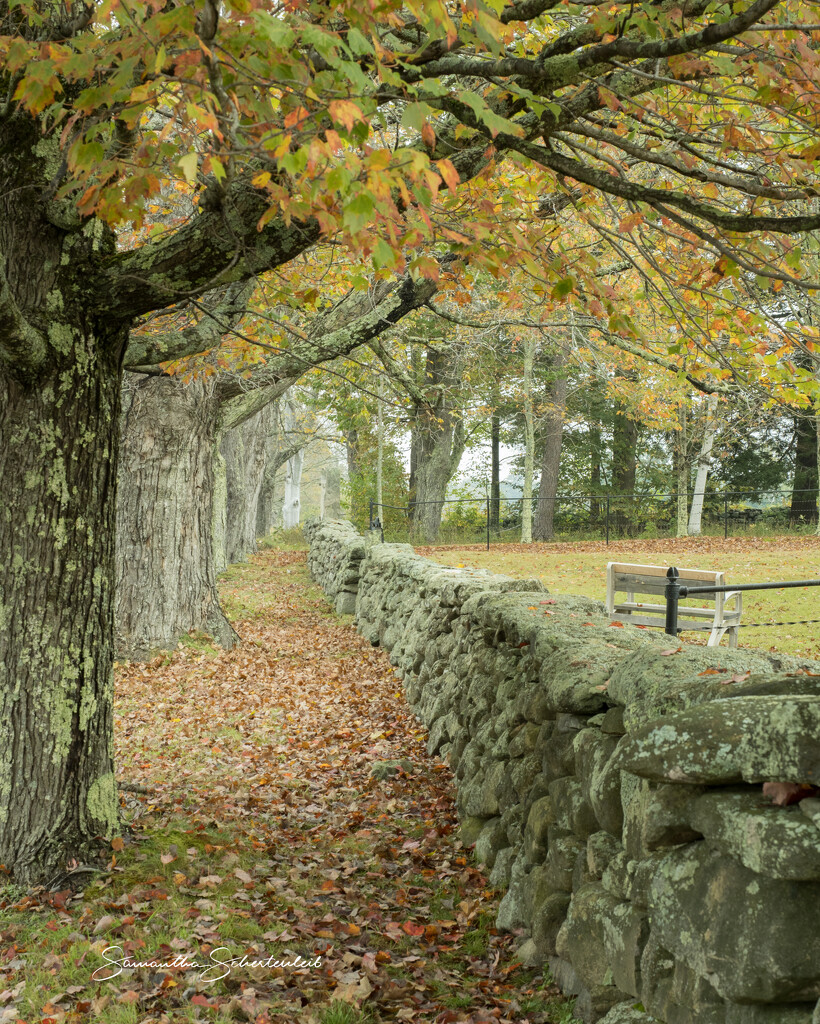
x=601 y=516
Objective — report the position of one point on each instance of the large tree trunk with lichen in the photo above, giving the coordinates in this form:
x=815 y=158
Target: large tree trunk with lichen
x=437 y=443
x=441 y=446
x=166 y=575
x=58 y=439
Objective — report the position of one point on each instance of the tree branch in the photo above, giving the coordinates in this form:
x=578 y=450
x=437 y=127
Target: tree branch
x=222 y=311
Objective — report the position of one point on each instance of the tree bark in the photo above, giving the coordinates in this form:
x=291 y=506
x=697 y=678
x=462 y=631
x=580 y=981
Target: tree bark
x=438 y=441
x=166 y=570
x=59 y=440
x=244 y=450
x=624 y=464
x=682 y=472
x=495 y=473
x=702 y=475
x=544 y=525
x=804 y=486
x=529 y=442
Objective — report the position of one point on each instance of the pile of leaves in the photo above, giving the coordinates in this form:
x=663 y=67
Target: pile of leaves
x=278 y=803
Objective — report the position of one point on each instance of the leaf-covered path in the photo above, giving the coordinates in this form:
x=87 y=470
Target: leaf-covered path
x=255 y=823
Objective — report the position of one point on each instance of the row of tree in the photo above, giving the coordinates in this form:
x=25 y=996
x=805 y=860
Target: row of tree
x=345 y=163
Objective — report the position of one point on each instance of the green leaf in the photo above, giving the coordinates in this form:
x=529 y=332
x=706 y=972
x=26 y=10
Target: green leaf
x=358 y=212
x=276 y=30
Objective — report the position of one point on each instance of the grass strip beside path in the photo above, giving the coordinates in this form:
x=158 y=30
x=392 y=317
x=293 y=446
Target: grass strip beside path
x=252 y=822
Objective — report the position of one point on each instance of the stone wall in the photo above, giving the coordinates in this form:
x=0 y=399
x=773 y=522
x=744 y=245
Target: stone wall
x=336 y=550
x=610 y=779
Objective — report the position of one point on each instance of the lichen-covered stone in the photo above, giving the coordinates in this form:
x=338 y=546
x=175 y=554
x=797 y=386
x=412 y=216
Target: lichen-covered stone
x=602 y=785
x=540 y=818
x=601 y=848
x=655 y=815
x=574 y=677
x=628 y=1013
x=650 y=684
x=562 y=849
x=492 y=840
x=547 y=921
x=774 y=841
x=766 y=950
x=743 y=739
x=571 y=808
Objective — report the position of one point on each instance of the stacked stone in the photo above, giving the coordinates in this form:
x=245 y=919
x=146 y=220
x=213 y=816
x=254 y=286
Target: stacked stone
x=336 y=550
x=610 y=779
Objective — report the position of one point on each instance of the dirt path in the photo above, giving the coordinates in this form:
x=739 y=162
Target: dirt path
x=256 y=824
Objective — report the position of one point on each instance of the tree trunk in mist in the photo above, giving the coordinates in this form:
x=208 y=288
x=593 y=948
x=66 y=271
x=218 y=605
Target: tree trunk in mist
x=269 y=507
x=166 y=573
x=245 y=451
x=529 y=442
x=544 y=525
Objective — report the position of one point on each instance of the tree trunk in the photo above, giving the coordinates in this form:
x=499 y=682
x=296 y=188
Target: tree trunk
x=624 y=465
x=495 y=473
x=709 y=431
x=682 y=473
x=438 y=441
x=245 y=451
x=804 y=487
x=544 y=526
x=442 y=455
x=166 y=571
x=59 y=443
x=380 y=453
x=269 y=507
x=529 y=442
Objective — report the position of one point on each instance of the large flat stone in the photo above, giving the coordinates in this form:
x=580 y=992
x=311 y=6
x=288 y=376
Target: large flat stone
x=766 y=948
x=776 y=841
x=742 y=739
x=649 y=683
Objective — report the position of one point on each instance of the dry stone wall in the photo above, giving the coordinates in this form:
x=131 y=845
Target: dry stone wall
x=610 y=780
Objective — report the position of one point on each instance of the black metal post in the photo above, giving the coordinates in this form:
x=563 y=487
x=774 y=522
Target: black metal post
x=488 y=522
x=672 y=598
x=607 y=519
x=725 y=517
x=370 y=527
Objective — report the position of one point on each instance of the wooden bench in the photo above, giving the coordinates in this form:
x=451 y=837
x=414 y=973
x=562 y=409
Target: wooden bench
x=650 y=580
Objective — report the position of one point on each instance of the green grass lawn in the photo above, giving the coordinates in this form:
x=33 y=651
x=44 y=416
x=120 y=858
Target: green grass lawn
x=580 y=568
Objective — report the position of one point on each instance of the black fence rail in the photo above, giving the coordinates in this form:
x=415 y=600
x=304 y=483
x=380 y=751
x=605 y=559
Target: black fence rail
x=675 y=590
x=604 y=516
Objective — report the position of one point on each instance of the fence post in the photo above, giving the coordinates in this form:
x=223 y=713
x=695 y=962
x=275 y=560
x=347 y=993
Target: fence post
x=488 y=522
x=672 y=598
x=371 y=515
x=725 y=517
x=607 y=519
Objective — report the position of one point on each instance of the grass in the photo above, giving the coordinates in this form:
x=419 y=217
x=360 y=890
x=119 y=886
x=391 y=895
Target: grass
x=580 y=568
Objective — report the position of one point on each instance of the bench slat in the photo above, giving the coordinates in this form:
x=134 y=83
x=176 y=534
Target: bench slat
x=660 y=609
x=651 y=585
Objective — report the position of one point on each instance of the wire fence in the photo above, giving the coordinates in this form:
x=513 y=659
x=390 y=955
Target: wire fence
x=607 y=517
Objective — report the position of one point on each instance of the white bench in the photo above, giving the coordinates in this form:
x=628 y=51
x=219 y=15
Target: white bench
x=650 y=580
